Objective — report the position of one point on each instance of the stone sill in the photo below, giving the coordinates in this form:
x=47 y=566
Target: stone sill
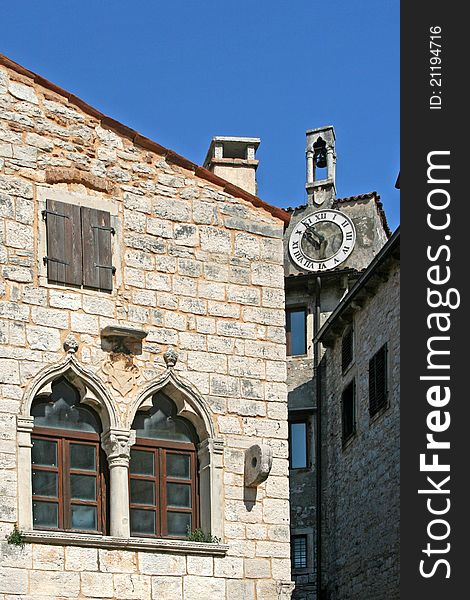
x=133 y=544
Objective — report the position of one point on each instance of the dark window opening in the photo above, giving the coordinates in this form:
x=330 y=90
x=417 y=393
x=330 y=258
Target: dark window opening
x=378 y=381
x=347 y=349
x=299 y=444
x=348 y=408
x=299 y=551
x=296 y=331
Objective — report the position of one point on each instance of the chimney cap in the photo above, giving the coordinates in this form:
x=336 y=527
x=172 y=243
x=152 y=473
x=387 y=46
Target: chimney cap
x=235 y=146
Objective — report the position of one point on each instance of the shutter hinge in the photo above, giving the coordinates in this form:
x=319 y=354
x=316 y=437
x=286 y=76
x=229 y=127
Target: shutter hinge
x=105 y=267
x=111 y=229
x=46 y=260
x=51 y=212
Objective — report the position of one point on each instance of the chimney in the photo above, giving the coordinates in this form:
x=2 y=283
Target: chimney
x=233 y=159
x=321 y=166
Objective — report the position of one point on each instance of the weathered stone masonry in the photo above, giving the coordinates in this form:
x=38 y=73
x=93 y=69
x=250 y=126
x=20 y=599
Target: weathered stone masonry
x=199 y=265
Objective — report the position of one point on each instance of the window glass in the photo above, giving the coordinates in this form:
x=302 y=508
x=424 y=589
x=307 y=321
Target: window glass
x=348 y=411
x=298 y=445
x=378 y=381
x=161 y=422
x=178 y=524
x=296 y=331
x=62 y=410
x=299 y=551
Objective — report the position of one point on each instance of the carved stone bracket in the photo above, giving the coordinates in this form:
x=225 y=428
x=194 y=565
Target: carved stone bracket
x=24 y=427
x=117 y=445
x=258 y=463
x=170 y=357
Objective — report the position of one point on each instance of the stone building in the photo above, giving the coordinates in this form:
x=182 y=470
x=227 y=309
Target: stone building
x=361 y=406
x=327 y=245
x=142 y=362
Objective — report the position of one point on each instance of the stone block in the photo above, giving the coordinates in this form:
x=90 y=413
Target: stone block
x=50 y=317
x=48 y=558
x=67 y=300
x=132 y=587
x=18 y=235
x=9 y=371
x=95 y=585
x=81 y=559
x=13 y=581
x=257 y=568
x=228 y=567
x=200 y=565
x=214 y=239
x=170 y=588
x=152 y=563
x=240 y=590
x=195 y=587
x=51 y=584
x=23 y=92
x=117 y=561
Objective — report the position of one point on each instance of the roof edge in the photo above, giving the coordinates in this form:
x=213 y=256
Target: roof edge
x=146 y=143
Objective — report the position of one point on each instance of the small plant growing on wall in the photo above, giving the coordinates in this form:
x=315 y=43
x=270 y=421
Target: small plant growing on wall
x=16 y=537
x=197 y=535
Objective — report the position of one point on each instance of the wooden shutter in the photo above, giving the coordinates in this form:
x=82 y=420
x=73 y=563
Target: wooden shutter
x=64 y=245
x=97 y=249
x=378 y=381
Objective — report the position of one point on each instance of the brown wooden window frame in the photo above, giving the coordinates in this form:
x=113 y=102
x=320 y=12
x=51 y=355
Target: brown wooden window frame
x=348 y=432
x=378 y=386
x=289 y=311
x=160 y=508
x=63 y=439
x=79 y=246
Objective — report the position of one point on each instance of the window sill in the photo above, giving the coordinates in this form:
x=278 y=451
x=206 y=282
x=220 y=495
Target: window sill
x=59 y=538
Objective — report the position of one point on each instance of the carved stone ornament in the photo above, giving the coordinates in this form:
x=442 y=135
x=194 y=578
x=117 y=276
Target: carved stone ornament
x=71 y=344
x=121 y=372
x=117 y=445
x=258 y=463
x=170 y=357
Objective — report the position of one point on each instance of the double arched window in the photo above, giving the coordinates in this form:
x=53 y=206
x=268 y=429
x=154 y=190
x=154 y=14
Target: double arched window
x=70 y=470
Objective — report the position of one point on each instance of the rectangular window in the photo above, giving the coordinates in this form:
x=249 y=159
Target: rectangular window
x=300 y=443
x=347 y=349
x=296 y=331
x=378 y=381
x=78 y=246
x=348 y=409
x=299 y=551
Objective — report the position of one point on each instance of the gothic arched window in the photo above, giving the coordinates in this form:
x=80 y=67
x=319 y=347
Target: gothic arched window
x=163 y=473
x=68 y=482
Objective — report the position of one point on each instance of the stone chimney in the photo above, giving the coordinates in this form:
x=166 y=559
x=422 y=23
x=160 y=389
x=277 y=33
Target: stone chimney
x=321 y=166
x=233 y=159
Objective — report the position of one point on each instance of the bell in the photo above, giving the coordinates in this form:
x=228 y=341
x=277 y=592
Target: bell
x=320 y=158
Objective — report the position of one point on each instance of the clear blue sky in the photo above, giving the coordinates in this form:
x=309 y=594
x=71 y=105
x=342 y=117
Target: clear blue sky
x=182 y=71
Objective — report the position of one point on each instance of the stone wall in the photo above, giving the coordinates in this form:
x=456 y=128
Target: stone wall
x=202 y=271
x=361 y=480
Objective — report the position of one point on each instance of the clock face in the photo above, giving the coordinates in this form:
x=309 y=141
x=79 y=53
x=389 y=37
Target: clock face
x=322 y=241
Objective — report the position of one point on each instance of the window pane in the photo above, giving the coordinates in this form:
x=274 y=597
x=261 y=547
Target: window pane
x=83 y=457
x=178 y=466
x=142 y=522
x=161 y=422
x=298 y=449
x=83 y=517
x=62 y=410
x=178 y=523
x=45 y=514
x=299 y=552
x=141 y=462
x=45 y=483
x=142 y=492
x=178 y=494
x=44 y=453
x=296 y=327
x=83 y=487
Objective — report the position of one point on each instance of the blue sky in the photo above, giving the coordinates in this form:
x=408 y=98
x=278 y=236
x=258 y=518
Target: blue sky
x=183 y=71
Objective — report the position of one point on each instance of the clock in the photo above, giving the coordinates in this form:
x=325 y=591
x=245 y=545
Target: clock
x=322 y=240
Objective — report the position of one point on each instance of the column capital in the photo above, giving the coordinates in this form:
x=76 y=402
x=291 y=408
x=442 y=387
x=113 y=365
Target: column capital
x=117 y=445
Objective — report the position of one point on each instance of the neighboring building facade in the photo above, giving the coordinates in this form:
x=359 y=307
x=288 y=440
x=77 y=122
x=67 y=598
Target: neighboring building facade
x=327 y=245
x=142 y=363
x=361 y=477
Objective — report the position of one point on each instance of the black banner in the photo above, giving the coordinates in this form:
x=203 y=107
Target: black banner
x=435 y=361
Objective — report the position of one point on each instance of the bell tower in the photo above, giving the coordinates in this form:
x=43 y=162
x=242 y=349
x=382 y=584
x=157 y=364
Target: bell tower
x=321 y=166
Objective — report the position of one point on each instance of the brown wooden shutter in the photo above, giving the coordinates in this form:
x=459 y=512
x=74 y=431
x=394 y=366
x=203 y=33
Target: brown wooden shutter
x=64 y=245
x=97 y=249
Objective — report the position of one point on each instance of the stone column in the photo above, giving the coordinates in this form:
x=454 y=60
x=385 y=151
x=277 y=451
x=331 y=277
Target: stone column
x=25 y=504
x=210 y=456
x=330 y=163
x=117 y=445
x=310 y=170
